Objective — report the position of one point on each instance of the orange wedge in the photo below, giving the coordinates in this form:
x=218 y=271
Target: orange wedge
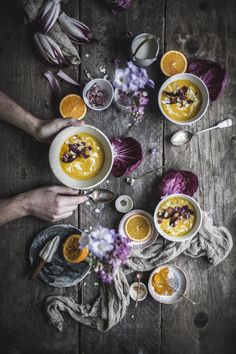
x=72 y=106
x=173 y=62
x=138 y=228
x=71 y=250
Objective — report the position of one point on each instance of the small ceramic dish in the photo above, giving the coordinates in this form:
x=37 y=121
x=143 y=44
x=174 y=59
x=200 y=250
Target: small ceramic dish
x=139 y=244
x=124 y=204
x=177 y=280
x=142 y=291
x=58 y=273
x=54 y=157
x=204 y=92
x=105 y=86
x=196 y=226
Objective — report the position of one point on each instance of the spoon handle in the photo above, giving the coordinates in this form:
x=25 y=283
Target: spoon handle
x=136 y=302
x=206 y=130
x=187 y=298
x=224 y=124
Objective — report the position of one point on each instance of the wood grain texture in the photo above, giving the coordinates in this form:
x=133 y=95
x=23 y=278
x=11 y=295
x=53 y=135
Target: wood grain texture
x=26 y=166
x=205 y=29
x=129 y=336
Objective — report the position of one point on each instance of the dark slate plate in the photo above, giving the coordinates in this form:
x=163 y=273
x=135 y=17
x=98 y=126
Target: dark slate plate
x=59 y=273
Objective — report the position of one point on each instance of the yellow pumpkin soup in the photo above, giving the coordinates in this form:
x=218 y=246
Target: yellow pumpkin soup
x=176 y=216
x=82 y=156
x=181 y=100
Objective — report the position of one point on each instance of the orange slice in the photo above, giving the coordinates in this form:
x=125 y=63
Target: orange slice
x=138 y=228
x=173 y=62
x=160 y=282
x=71 y=251
x=72 y=106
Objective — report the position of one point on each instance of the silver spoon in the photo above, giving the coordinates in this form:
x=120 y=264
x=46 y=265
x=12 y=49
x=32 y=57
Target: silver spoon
x=183 y=137
x=101 y=195
x=138 y=276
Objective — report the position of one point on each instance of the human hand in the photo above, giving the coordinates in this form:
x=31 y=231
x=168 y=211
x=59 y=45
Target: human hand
x=52 y=203
x=46 y=130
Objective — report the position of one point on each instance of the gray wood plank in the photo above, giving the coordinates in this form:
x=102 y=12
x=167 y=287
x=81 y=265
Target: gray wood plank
x=24 y=165
x=205 y=29
x=131 y=335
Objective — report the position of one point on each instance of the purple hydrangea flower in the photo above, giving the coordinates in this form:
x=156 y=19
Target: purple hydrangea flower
x=108 y=250
x=132 y=78
x=101 y=241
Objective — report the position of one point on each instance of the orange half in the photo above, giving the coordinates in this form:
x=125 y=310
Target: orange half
x=138 y=228
x=72 y=106
x=71 y=250
x=173 y=62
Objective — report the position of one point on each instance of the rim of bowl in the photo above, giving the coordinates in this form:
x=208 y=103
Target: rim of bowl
x=187 y=236
x=51 y=157
x=88 y=85
x=170 y=79
x=150 y=284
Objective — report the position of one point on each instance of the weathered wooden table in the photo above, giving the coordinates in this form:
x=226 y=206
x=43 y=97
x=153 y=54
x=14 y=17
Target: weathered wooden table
x=198 y=28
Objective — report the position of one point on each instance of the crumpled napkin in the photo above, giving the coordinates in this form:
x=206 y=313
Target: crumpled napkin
x=215 y=243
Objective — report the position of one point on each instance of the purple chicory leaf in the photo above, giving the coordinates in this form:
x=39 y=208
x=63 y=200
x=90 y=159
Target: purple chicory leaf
x=77 y=31
x=127 y=156
x=67 y=78
x=53 y=83
x=119 y=4
x=184 y=182
x=48 y=14
x=212 y=74
x=49 y=50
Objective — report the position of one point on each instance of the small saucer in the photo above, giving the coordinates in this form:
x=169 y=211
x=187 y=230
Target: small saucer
x=177 y=280
x=124 y=204
x=139 y=244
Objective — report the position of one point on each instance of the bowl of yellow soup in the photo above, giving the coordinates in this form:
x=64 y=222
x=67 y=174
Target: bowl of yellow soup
x=81 y=157
x=178 y=217
x=183 y=99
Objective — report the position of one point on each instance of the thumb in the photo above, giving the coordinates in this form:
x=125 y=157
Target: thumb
x=69 y=122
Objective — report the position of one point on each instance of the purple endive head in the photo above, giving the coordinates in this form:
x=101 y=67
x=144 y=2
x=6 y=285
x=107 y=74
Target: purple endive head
x=53 y=83
x=48 y=14
x=77 y=31
x=49 y=50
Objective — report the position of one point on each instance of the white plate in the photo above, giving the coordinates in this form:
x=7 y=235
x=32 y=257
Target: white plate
x=152 y=236
x=54 y=157
x=177 y=279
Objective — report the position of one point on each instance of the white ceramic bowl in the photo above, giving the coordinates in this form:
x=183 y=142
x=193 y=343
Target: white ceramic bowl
x=106 y=86
x=54 y=157
x=203 y=89
x=191 y=233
